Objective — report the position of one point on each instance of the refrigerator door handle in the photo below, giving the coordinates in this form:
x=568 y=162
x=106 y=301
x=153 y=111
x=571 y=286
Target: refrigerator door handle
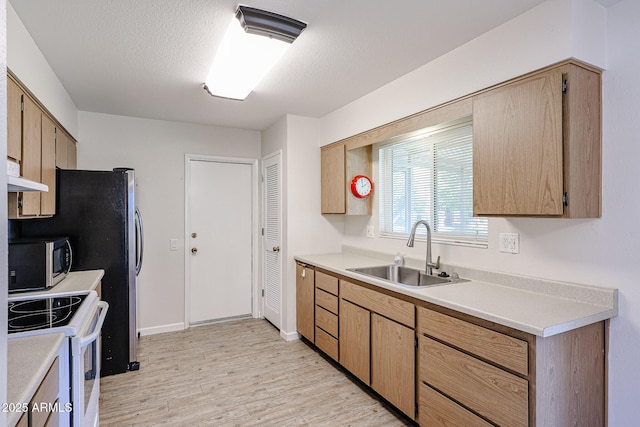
x=139 y=241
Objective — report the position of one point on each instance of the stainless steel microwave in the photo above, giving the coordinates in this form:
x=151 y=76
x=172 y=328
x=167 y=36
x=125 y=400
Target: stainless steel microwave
x=38 y=263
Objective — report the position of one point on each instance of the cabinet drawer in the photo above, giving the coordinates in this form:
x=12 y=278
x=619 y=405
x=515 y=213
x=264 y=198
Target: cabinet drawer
x=327 y=301
x=327 y=343
x=436 y=410
x=490 y=345
x=47 y=394
x=327 y=283
x=388 y=306
x=327 y=321
x=495 y=394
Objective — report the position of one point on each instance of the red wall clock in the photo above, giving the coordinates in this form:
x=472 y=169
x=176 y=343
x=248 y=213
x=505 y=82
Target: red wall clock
x=361 y=186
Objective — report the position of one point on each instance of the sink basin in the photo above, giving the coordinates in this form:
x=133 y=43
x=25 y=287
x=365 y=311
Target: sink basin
x=402 y=275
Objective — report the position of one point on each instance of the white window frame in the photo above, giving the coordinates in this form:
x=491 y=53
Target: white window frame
x=480 y=239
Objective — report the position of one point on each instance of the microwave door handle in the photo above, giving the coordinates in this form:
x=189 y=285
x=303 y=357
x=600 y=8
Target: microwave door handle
x=70 y=258
x=103 y=306
x=139 y=240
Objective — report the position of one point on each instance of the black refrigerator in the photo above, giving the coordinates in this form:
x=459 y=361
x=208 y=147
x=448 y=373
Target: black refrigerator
x=97 y=210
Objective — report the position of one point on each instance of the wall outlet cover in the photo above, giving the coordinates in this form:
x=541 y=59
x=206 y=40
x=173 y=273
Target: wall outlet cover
x=371 y=231
x=510 y=243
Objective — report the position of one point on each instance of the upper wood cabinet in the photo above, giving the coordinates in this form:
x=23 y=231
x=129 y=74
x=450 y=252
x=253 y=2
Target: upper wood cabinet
x=28 y=203
x=39 y=144
x=14 y=121
x=48 y=167
x=333 y=174
x=537 y=145
x=338 y=167
x=65 y=151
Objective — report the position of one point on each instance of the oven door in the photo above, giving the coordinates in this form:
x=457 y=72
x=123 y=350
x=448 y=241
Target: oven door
x=85 y=367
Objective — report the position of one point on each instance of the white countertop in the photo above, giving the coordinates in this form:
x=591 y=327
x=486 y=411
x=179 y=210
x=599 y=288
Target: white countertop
x=76 y=281
x=544 y=309
x=29 y=359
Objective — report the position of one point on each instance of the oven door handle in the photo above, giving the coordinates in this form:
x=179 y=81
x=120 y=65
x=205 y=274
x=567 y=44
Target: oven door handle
x=103 y=306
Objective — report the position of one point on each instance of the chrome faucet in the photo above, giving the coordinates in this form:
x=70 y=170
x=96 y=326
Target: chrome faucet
x=412 y=236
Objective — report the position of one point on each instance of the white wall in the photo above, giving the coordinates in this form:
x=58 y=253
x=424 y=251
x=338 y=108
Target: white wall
x=156 y=150
x=308 y=232
x=304 y=231
x=613 y=243
x=601 y=252
x=30 y=66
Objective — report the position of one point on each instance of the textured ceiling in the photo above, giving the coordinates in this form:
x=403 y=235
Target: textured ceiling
x=149 y=58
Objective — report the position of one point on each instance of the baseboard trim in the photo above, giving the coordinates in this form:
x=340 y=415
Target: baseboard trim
x=289 y=336
x=161 y=329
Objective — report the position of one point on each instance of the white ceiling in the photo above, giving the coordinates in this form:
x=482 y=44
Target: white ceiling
x=149 y=58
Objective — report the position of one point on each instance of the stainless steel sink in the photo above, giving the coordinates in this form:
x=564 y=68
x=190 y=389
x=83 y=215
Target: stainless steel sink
x=407 y=276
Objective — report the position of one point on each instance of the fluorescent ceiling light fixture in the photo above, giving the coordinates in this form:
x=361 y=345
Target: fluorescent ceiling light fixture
x=255 y=40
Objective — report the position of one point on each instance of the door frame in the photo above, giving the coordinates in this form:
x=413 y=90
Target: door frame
x=256 y=311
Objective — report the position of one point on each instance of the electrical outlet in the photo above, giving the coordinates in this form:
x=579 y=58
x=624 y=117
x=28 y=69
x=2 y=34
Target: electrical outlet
x=371 y=231
x=173 y=244
x=510 y=243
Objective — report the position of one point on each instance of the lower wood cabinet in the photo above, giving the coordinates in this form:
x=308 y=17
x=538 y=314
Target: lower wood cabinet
x=305 y=305
x=375 y=346
x=46 y=398
x=326 y=310
x=469 y=374
x=355 y=333
x=445 y=368
x=487 y=390
x=436 y=410
x=393 y=362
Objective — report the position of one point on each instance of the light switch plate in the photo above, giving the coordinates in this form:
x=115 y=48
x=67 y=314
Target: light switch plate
x=510 y=243
x=173 y=244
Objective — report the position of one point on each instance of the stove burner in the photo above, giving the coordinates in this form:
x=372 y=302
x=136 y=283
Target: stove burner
x=30 y=315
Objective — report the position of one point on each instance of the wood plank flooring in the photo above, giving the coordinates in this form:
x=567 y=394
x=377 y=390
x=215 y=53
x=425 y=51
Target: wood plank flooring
x=238 y=373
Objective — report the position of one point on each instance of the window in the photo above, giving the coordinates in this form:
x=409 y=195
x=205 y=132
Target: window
x=428 y=175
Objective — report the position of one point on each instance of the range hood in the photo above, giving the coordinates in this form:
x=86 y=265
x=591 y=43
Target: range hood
x=16 y=184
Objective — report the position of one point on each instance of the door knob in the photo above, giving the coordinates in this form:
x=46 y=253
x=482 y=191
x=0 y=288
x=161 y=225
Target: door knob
x=194 y=250
x=276 y=249
x=194 y=235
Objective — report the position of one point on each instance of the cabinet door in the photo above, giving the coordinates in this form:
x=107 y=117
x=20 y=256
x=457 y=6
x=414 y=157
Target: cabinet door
x=333 y=170
x=517 y=148
x=393 y=363
x=31 y=154
x=305 y=305
x=62 y=142
x=355 y=330
x=14 y=121
x=48 y=199
x=72 y=154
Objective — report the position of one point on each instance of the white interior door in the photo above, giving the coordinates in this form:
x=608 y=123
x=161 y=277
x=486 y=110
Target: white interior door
x=220 y=240
x=272 y=242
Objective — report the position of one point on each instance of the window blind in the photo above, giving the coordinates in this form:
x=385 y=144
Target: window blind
x=429 y=175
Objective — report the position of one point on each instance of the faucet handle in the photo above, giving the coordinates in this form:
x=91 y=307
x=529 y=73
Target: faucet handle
x=435 y=265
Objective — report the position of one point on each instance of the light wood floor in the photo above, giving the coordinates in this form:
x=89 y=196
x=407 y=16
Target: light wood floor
x=238 y=373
